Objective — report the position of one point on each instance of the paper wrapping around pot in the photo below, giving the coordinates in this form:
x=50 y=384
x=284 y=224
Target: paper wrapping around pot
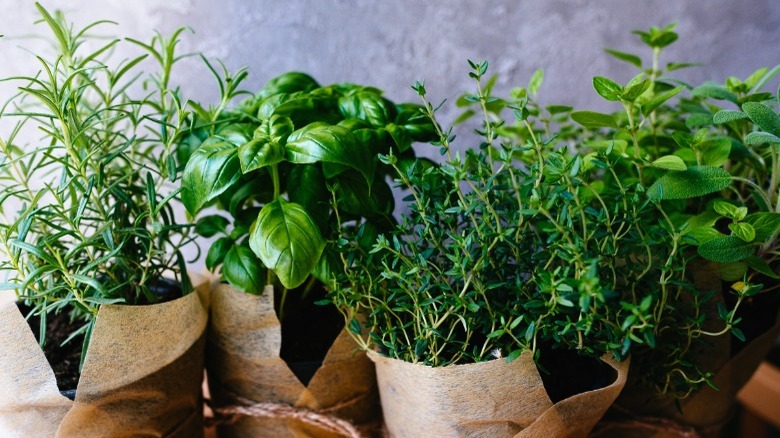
x=639 y=413
x=244 y=341
x=141 y=376
x=487 y=399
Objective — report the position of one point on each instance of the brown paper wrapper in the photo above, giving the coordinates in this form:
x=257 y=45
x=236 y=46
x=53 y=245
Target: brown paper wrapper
x=487 y=399
x=141 y=376
x=639 y=413
x=244 y=341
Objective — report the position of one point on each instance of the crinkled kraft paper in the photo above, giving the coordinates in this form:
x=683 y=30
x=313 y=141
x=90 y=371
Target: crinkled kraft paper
x=487 y=399
x=141 y=377
x=244 y=341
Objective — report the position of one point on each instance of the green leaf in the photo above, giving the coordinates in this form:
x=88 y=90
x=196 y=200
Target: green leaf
x=670 y=162
x=716 y=151
x=209 y=226
x=761 y=138
x=536 y=82
x=726 y=116
x=715 y=92
x=659 y=99
x=289 y=82
x=367 y=106
x=726 y=249
x=267 y=146
x=306 y=186
x=330 y=144
x=729 y=210
x=760 y=265
x=766 y=225
x=287 y=241
x=211 y=170
x=354 y=197
x=738 y=334
x=217 y=252
x=743 y=230
x=763 y=116
x=638 y=85
x=591 y=119
x=693 y=182
x=627 y=57
x=607 y=88
x=242 y=269
x=415 y=122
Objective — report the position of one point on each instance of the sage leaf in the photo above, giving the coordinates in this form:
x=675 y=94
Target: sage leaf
x=726 y=249
x=726 y=116
x=761 y=138
x=715 y=92
x=693 y=182
x=763 y=116
x=288 y=241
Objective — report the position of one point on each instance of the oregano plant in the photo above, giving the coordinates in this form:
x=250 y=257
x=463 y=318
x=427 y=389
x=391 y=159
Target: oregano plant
x=712 y=172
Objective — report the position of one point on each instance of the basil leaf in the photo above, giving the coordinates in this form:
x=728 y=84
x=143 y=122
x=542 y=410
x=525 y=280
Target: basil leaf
x=211 y=170
x=242 y=270
x=287 y=240
x=330 y=144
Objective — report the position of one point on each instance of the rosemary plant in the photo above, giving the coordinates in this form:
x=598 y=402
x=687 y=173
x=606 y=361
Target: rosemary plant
x=87 y=160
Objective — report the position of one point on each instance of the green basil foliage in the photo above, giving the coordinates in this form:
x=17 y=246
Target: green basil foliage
x=86 y=172
x=279 y=161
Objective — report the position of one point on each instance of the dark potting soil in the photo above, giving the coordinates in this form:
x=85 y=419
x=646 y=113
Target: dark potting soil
x=308 y=331
x=566 y=373
x=64 y=359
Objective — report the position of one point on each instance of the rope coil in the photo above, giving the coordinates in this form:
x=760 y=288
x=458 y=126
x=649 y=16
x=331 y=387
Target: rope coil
x=243 y=407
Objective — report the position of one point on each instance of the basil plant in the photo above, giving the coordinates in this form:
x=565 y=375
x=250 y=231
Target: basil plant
x=288 y=165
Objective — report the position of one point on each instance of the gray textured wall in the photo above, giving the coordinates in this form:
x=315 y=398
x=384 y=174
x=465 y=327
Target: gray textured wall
x=390 y=44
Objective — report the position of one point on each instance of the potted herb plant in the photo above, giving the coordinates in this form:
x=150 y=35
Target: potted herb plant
x=710 y=164
x=268 y=164
x=516 y=260
x=90 y=246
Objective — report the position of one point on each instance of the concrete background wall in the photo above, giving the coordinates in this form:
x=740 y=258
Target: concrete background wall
x=390 y=44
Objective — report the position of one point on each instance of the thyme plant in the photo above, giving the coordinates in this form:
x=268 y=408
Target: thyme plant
x=85 y=172
x=516 y=245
